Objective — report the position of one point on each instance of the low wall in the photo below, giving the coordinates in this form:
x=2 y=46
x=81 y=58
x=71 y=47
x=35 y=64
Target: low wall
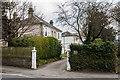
x=17 y=61
x=17 y=56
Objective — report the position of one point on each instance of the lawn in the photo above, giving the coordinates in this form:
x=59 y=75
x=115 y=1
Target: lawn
x=63 y=55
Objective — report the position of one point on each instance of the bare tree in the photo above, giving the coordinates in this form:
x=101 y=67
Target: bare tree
x=88 y=19
x=0 y=20
x=14 y=19
x=116 y=12
x=116 y=16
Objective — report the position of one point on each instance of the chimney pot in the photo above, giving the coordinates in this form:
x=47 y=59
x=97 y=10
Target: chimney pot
x=30 y=13
x=51 y=22
x=15 y=15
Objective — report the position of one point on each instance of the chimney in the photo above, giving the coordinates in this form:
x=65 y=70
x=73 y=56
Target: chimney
x=15 y=15
x=51 y=22
x=30 y=13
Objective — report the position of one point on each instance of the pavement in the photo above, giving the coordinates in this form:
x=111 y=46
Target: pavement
x=52 y=70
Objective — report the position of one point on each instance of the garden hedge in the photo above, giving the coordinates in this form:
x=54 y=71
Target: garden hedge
x=47 y=47
x=23 y=42
x=93 y=56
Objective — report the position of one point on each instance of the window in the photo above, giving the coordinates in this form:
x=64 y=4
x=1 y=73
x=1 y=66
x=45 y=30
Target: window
x=76 y=39
x=58 y=36
x=46 y=32
x=52 y=33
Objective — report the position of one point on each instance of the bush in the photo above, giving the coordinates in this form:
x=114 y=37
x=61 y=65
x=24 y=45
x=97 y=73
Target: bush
x=63 y=55
x=119 y=48
x=93 y=56
x=97 y=41
x=47 y=47
x=23 y=42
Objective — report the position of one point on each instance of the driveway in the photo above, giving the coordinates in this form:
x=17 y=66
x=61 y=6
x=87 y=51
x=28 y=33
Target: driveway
x=53 y=70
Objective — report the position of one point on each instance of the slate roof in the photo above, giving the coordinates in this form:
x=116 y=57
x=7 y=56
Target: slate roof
x=46 y=23
x=40 y=20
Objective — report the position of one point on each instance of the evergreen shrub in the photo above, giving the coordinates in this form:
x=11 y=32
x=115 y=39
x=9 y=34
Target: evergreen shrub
x=93 y=56
x=47 y=47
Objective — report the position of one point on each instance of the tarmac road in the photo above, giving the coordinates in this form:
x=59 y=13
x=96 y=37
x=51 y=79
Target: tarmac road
x=52 y=70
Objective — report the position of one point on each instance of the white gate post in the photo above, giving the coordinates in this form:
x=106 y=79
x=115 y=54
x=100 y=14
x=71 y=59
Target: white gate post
x=68 y=63
x=33 y=58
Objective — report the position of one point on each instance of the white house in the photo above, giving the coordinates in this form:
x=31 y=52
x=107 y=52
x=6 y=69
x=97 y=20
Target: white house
x=69 y=38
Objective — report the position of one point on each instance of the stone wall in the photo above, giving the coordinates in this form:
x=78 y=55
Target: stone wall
x=17 y=56
x=25 y=62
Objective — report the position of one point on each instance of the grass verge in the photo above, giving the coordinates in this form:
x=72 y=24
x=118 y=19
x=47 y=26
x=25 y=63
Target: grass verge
x=63 y=55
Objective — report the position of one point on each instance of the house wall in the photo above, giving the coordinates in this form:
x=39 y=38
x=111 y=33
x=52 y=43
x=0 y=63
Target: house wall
x=66 y=41
x=3 y=43
x=55 y=33
x=47 y=30
x=34 y=30
x=52 y=32
x=60 y=35
x=43 y=30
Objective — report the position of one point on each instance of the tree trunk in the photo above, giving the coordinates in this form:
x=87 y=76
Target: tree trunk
x=10 y=42
x=88 y=38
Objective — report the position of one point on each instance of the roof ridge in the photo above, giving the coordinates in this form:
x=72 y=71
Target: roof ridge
x=48 y=24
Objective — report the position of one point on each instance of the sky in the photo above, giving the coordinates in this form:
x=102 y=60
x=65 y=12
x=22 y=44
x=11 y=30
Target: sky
x=49 y=7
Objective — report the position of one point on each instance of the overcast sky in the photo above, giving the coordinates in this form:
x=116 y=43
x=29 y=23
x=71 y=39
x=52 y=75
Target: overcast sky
x=49 y=7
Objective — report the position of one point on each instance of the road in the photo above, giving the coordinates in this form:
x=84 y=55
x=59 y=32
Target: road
x=52 y=70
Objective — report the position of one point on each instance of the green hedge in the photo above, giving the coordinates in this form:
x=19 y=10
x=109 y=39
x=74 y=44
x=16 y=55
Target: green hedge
x=93 y=56
x=23 y=42
x=97 y=41
x=47 y=47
